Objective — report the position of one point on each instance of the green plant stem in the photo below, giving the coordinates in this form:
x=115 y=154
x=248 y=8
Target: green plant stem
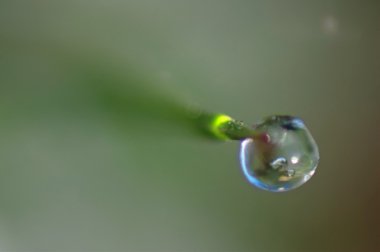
x=223 y=127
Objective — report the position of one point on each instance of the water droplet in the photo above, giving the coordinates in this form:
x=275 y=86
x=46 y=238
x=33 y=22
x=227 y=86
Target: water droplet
x=285 y=162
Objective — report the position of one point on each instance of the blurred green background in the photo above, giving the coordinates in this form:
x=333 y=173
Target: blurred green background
x=79 y=175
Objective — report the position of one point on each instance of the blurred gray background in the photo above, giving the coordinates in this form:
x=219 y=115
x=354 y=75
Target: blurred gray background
x=74 y=179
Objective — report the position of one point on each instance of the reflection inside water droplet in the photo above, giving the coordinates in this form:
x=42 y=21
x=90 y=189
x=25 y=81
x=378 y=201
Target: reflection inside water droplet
x=278 y=163
x=283 y=160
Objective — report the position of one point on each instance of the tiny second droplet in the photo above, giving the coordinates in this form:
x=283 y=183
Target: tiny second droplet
x=285 y=161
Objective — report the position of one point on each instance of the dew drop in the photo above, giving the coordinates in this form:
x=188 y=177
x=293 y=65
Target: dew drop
x=285 y=162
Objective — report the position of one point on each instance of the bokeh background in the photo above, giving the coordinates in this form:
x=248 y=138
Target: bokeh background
x=82 y=169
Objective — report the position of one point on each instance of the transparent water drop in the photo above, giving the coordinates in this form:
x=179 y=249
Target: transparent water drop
x=282 y=156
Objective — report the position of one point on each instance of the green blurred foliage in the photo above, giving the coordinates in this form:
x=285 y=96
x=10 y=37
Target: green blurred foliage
x=94 y=153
